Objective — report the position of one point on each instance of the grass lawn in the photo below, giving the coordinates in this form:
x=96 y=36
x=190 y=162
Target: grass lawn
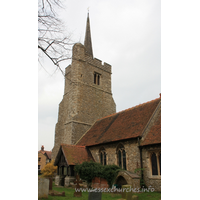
x=69 y=192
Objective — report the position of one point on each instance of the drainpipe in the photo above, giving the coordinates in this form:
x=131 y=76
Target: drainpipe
x=141 y=163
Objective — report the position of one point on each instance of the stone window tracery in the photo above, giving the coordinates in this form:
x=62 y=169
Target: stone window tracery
x=103 y=156
x=121 y=156
x=155 y=158
x=154 y=166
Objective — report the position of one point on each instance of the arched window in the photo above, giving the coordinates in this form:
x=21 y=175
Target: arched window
x=101 y=158
x=104 y=158
x=121 y=156
x=160 y=162
x=154 y=166
x=102 y=154
x=124 y=159
x=97 y=78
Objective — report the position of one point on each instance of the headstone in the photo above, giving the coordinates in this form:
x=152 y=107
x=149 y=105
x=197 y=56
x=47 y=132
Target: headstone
x=68 y=180
x=50 y=183
x=55 y=193
x=134 y=197
x=77 y=192
x=126 y=192
x=57 y=180
x=43 y=188
x=129 y=195
x=93 y=195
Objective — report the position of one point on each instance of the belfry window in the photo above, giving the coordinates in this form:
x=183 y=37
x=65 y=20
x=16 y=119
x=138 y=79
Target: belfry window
x=102 y=154
x=97 y=78
x=121 y=156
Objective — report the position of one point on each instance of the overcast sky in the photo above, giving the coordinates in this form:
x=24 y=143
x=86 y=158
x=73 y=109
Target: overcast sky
x=127 y=35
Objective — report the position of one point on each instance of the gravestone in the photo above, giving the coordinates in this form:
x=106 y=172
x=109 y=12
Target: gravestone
x=57 y=180
x=129 y=195
x=93 y=195
x=126 y=192
x=134 y=197
x=77 y=192
x=55 y=193
x=43 y=188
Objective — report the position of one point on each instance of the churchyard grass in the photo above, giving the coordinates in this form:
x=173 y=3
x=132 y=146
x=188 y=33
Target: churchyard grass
x=69 y=192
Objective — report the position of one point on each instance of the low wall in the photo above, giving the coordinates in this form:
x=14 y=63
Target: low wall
x=99 y=183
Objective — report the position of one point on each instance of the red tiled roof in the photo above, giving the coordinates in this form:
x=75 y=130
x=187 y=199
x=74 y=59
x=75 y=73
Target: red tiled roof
x=48 y=153
x=154 y=134
x=75 y=154
x=126 y=124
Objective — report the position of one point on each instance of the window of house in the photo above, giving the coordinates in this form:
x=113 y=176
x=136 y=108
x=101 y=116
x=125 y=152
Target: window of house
x=156 y=163
x=103 y=157
x=97 y=78
x=121 y=156
x=39 y=159
x=39 y=167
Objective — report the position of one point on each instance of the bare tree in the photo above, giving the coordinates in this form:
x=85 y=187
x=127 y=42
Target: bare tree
x=51 y=39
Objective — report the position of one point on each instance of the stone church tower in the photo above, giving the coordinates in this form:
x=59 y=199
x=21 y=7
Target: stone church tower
x=87 y=95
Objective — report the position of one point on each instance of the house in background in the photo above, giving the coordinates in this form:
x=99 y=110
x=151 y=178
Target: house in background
x=43 y=158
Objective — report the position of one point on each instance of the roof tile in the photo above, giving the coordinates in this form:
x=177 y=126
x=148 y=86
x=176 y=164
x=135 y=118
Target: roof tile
x=126 y=124
x=154 y=134
x=75 y=154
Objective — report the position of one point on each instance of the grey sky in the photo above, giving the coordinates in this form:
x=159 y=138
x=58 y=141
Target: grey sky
x=125 y=34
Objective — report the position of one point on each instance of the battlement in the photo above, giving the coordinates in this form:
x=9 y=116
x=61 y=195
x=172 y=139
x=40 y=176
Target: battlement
x=98 y=63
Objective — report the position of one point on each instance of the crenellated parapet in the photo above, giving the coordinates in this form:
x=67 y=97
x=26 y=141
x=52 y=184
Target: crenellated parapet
x=80 y=54
x=98 y=63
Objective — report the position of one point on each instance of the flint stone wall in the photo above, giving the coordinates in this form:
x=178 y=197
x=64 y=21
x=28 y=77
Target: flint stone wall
x=83 y=101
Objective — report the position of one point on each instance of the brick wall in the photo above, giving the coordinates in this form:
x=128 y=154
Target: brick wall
x=42 y=161
x=98 y=182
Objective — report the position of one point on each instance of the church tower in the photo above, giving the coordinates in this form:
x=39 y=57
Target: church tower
x=87 y=94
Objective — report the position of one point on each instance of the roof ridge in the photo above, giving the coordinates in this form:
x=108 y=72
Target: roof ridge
x=127 y=109
x=73 y=145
